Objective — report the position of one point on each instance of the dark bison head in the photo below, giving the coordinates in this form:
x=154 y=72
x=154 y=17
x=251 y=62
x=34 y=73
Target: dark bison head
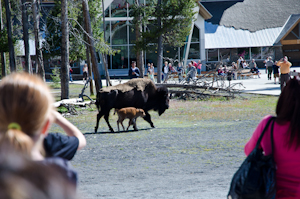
x=163 y=100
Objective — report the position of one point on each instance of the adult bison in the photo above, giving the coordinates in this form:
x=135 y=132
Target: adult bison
x=138 y=93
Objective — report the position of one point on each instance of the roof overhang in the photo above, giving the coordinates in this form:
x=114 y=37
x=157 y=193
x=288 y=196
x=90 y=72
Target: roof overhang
x=203 y=11
x=289 y=25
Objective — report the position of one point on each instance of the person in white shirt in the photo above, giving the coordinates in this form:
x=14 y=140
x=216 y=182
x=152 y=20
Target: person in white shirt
x=166 y=70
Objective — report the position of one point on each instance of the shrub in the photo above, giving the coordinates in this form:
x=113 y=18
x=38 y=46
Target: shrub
x=55 y=78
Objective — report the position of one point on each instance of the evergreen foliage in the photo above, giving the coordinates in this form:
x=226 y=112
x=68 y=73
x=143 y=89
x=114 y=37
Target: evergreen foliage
x=77 y=34
x=55 y=78
x=176 y=19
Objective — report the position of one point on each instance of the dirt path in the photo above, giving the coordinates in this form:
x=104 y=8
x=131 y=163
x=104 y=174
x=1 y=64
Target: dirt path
x=196 y=161
x=192 y=153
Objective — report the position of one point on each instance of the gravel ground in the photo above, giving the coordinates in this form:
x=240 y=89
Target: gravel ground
x=180 y=158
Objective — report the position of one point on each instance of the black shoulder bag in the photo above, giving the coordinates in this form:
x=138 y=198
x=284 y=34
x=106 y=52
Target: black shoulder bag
x=256 y=176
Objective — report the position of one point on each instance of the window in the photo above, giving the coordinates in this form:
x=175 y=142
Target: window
x=212 y=54
x=120 y=60
x=132 y=36
x=224 y=54
x=194 y=52
x=170 y=52
x=244 y=52
x=182 y=52
x=132 y=54
x=267 y=52
x=256 y=53
x=151 y=56
x=195 y=35
x=107 y=31
x=107 y=11
x=119 y=32
x=118 y=8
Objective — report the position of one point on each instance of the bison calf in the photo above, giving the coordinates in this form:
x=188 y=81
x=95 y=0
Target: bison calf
x=131 y=113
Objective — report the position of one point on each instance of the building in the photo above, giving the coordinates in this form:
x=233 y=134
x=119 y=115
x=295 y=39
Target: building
x=120 y=36
x=254 y=29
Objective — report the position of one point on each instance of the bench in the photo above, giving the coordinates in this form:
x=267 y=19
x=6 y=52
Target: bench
x=244 y=73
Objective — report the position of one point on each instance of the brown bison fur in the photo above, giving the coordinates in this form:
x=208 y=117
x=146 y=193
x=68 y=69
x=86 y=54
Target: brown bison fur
x=142 y=94
x=137 y=83
x=131 y=113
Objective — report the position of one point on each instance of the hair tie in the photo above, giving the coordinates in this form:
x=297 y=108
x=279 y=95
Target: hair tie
x=14 y=125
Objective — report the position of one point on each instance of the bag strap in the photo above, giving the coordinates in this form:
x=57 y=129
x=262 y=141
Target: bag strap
x=262 y=134
x=272 y=128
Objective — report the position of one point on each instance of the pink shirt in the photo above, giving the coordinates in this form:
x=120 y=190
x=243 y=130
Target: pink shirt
x=199 y=66
x=287 y=160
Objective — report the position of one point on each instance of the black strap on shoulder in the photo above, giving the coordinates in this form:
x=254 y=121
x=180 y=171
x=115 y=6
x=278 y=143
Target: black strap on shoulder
x=272 y=141
x=262 y=134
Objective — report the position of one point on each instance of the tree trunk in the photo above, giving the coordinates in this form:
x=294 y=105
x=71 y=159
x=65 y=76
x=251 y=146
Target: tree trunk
x=26 y=36
x=88 y=59
x=2 y=54
x=12 y=61
x=108 y=83
x=87 y=20
x=38 y=52
x=64 y=51
x=159 y=47
x=139 y=53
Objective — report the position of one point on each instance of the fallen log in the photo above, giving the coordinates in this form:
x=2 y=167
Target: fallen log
x=188 y=92
x=73 y=101
x=192 y=86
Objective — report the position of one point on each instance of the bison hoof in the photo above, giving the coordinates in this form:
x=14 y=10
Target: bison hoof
x=111 y=130
x=152 y=126
x=96 y=130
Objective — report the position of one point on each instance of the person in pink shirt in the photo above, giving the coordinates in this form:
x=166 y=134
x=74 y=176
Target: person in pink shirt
x=286 y=141
x=199 y=65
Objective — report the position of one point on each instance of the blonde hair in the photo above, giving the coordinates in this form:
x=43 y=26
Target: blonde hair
x=25 y=101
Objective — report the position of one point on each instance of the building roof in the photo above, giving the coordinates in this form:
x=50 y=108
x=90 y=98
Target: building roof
x=252 y=15
x=288 y=26
x=204 y=12
x=223 y=37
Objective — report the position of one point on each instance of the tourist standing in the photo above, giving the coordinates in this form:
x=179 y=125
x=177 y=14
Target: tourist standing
x=85 y=72
x=180 y=71
x=199 y=66
x=70 y=73
x=284 y=66
x=269 y=67
x=166 y=70
x=151 y=71
x=134 y=71
x=276 y=72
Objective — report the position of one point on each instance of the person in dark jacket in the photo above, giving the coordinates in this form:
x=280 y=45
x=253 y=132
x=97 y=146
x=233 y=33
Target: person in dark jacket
x=133 y=72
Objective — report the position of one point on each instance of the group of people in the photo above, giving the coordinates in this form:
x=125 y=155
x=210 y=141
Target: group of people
x=84 y=72
x=191 y=70
x=283 y=64
x=34 y=163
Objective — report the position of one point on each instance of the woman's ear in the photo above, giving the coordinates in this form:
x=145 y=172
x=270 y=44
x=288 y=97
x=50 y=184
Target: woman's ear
x=46 y=127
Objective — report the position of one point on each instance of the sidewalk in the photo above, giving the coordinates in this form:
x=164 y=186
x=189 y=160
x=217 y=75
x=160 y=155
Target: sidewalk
x=252 y=85
x=263 y=85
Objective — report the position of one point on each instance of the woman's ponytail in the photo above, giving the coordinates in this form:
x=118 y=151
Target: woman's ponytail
x=16 y=140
